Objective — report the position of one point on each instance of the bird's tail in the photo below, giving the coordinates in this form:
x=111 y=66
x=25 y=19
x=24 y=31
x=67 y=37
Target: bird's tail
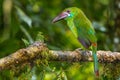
x=94 y=50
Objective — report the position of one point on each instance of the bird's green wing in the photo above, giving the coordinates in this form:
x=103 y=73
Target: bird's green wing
x=85 y=31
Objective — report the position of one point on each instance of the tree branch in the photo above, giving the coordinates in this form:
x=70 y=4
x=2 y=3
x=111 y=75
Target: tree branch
x=38 y=50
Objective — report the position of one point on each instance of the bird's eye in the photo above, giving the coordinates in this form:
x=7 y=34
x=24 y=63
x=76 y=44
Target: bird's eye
x=68 y=11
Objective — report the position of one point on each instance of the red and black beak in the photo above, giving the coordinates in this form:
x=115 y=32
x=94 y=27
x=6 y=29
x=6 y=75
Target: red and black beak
x=61 y=16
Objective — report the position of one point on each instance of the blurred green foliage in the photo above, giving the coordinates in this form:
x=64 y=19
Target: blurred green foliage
x=21 y=20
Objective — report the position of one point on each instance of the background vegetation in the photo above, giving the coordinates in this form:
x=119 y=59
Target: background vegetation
x=23 y=19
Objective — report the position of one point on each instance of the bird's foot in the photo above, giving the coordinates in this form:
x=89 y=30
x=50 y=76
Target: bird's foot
x=79 y=50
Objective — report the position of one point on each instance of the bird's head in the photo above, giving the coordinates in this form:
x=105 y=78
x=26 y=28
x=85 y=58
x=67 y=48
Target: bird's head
x=67 y=14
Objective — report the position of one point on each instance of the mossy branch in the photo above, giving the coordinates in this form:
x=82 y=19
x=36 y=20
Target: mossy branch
x=37 y=50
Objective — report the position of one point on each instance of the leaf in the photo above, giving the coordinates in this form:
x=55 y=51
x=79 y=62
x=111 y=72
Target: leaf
x=24 y=17
x=26 y=42
x=40 y=37
x=27 y=34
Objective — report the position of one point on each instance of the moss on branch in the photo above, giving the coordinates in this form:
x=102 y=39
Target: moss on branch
x=39 y=50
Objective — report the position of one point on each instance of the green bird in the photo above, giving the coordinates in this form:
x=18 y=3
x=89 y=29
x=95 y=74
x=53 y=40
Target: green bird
x=83 y=30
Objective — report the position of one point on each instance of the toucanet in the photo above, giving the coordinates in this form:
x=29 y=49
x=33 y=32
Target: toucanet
x=82 y=29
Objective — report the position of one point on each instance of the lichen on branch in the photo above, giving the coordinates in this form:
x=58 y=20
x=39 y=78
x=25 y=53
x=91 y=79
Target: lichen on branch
x=39 y=50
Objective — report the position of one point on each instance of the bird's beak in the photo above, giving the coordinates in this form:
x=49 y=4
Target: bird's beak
x=60 y=17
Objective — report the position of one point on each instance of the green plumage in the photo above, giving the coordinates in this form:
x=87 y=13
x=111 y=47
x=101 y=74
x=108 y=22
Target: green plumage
x=83 y=30
x=81 y=27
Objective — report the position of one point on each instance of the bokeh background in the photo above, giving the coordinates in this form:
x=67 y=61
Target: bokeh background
x=23 y=19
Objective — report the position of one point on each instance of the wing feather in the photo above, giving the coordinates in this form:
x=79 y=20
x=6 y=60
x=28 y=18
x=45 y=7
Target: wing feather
x=85 y=31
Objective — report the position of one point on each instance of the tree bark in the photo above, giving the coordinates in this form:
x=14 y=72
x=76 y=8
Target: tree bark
x=39 y=50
